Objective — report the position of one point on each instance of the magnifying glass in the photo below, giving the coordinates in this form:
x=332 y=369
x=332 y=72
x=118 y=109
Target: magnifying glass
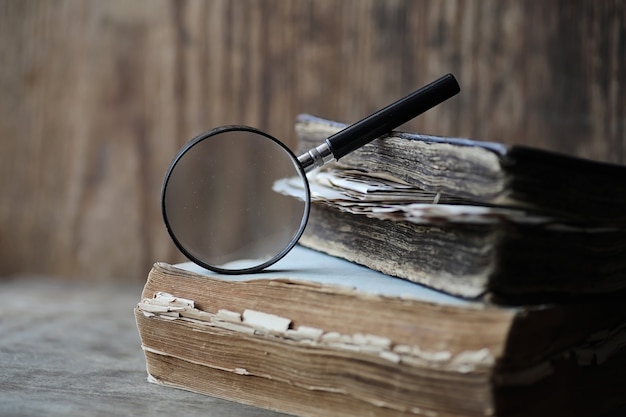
x=219 y=203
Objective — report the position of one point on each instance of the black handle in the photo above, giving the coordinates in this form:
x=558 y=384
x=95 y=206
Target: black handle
x=392 y=116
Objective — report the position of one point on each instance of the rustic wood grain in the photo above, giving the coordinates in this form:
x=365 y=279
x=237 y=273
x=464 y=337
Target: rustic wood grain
x=97 y=96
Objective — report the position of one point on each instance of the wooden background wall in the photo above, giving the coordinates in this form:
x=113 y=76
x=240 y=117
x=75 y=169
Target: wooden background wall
x=97 y=96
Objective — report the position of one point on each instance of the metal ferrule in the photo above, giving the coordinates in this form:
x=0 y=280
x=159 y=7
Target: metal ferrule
x=316 y=157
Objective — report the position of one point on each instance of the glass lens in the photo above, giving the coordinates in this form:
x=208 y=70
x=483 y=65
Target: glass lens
x=221 y=202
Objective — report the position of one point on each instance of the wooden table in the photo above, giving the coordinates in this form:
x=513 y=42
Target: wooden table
x=72 y=349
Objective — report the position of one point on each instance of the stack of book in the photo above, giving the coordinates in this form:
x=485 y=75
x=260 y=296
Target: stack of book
x=436 y=277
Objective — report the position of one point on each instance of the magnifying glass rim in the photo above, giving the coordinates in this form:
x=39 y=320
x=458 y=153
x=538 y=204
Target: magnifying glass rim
x=236 y=128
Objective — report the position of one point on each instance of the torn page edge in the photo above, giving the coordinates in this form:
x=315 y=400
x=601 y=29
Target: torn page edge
x=594 y=351
x=256 y=323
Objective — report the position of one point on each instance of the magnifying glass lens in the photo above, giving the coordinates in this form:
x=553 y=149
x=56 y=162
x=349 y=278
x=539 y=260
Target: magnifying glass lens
x=236 y=200
x=219 y=202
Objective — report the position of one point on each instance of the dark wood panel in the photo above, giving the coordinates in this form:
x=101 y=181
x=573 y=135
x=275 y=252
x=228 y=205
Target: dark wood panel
x=97 y=96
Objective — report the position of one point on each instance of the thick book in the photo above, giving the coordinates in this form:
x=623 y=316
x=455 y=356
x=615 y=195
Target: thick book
x=316 y=336
x=471 y=218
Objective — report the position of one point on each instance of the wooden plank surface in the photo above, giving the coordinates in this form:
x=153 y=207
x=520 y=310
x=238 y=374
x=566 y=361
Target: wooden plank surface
x=72 y=349
x=97 y=96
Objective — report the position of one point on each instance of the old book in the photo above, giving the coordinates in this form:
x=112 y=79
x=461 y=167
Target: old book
x=452 y=214
x=319 y=336
x=488 y=172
